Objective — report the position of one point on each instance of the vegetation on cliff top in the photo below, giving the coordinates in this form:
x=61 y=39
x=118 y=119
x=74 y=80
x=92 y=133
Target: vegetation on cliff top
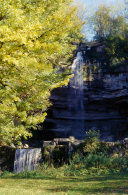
x=112 y=29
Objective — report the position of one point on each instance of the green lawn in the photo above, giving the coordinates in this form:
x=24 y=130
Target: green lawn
x=112 y=184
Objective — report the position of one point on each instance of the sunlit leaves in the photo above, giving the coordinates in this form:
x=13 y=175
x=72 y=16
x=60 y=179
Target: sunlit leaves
x=35 y=41
x=108 y=23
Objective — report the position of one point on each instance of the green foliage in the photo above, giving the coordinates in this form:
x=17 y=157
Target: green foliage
x=35 y=45
x=97 y=163
x=55 y=155
x=112 y=29
x=101 y=21
x=91 y=141
x=117 y=49
x=94 y=156
x=97 y=160
x=106 y=23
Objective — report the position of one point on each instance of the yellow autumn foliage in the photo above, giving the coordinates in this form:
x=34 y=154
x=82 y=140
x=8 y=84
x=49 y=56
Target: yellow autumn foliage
x=35 y=42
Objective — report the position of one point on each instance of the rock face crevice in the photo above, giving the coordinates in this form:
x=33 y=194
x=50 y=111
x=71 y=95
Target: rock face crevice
x=7 y=156
x=105 y=105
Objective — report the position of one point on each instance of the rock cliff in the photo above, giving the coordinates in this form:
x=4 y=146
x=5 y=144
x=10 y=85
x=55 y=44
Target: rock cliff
x=105 y=106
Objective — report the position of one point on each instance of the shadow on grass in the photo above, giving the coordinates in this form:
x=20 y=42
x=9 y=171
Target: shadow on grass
x=91 y=190
x=101 y=178
x=86 y=178
x=107 y=184
x=94 y=185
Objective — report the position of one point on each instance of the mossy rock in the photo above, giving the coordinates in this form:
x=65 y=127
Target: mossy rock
x=60 y=155
x=47 y=153
x=56 y=155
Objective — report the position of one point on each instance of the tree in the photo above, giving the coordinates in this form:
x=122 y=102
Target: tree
x=106 y=23
x=101 y=22
x=112 y=29
x=117 y=49
x=35 y=45
x=126 y=9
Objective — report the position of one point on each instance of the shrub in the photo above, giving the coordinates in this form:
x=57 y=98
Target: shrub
x=92 y=141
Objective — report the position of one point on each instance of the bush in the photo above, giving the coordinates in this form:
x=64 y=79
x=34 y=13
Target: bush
x=92 y=141
x=95 y=156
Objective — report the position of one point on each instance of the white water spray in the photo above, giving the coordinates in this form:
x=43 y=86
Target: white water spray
x=27 y=159
x=76 y=97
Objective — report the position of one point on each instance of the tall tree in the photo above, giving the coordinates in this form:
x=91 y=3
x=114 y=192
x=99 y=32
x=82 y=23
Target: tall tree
x=101 y=22
x=106 y=23
x=126 y=8
x=35 y=44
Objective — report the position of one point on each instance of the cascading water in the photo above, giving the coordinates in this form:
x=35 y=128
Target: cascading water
x=76 y=83
x=76 y=97
x=27 y=159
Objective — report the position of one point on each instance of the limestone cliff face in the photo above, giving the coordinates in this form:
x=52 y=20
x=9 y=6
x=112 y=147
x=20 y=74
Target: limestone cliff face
x=106 y=103
x=105 y=107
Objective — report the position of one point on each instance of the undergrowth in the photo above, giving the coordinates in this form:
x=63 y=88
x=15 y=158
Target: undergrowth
x=91 y=158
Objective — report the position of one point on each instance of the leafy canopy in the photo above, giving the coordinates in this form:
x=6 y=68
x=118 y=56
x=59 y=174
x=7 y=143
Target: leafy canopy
x=107 y=23
x=35 y=45
x=112 y=29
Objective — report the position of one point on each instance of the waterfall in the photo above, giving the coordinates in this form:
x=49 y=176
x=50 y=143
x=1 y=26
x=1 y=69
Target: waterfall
x=27 y=159
x=76 y=83
x=76 y=97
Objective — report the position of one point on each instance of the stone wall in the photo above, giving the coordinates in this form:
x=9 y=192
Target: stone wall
x=59 y=150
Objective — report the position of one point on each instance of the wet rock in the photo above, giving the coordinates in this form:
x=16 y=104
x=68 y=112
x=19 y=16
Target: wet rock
x=105 y=104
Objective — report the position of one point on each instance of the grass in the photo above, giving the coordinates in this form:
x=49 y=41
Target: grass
x=45 y=184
